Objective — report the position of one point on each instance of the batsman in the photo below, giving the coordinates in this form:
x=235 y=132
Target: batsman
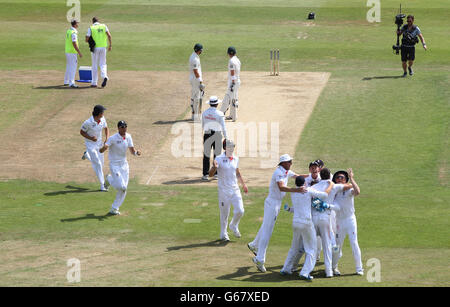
x=230 y=101
x=197 y=86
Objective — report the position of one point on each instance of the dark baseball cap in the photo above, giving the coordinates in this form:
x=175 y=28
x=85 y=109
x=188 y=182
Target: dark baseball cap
x=198 y=47
x=122 y=123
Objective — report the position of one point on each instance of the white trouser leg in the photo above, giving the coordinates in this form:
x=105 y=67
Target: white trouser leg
x=293 y=251
x=66 y=75
x=225 y=103
x=195 y=98
x=71 y=68
x=308 y=235
x=119 y=180
x=118 y=201
x=333 y=228
x=234 y=101
x=238 y=209
x=322 y=227
x=271 y=210
x=97 y=160
x=94 y=67
x=224 y=206
x=102 y=62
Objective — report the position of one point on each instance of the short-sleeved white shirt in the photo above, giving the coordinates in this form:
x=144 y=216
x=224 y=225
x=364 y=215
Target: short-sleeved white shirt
x=213 y=119
x=194 y=63
x=345 y=201
x=322 y=186
x=93 y=128
x=95 y=24
x=74 y=34
x=226 y=172
x=118 y=146
x=279 y=175
x=234 y=64
x=309 y=180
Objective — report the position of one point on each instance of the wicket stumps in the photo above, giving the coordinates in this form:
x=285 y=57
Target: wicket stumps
x=275 y=62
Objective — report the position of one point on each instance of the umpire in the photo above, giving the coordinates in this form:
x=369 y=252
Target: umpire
x=408 y=51
x=213 y=124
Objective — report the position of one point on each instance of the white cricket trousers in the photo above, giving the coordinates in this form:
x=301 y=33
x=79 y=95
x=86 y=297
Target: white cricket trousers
x=231 y=100
x=118 y=179
x=71 y=68
x=323 y=229
x=304 y=239
x=271 y=210
x=97 y=159
x=344 y=227
x=227 y=198
x=98 y=59
x=195 y=97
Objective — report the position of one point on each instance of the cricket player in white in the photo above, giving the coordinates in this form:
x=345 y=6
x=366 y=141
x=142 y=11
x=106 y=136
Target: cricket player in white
x=227 y=167
x=195 y=78
x=91 y=130
x=231 y=97
x=101 y=35
x=346 y=220
x=118 y=164
x=304 y=234
x=272 y=204
x=71 y=50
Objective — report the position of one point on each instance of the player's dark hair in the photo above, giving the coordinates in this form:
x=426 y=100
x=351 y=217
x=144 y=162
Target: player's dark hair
x=94 y=19
x=299 y=181
x=73 y=22
x=410 y=16
x=325 y=173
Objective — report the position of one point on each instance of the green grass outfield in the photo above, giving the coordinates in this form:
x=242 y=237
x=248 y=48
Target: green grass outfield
x=394 y=133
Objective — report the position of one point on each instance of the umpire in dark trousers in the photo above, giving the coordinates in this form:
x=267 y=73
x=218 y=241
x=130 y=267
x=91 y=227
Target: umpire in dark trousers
x=213 y=125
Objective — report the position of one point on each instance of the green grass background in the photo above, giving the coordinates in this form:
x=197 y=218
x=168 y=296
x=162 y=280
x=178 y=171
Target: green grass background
x=393 y=132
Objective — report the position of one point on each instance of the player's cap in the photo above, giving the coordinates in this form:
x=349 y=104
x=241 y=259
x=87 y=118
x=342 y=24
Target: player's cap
x=285 y=158
x=98 y=109
x=121 y=124
x=313 y=163
x=299 y=181
x=228 y=143
x=198 y=47
x=231 y=50
x=319 y=163
x=340 y=173
x=213 y=100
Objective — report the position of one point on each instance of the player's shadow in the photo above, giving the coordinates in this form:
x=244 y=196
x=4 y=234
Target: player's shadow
x=250 y=274
x=185 y=181
x=59 y=87
x=171 y=122
x=215 y=243
x=381 y=77
x=89 y=216
x=71 y=189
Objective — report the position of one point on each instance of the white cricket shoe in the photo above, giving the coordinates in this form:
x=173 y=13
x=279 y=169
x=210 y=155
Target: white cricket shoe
x=336 y=272
x=205 y=178
x=104 y=188
x=216 y=177
x=235 y=231
x=114 y=211
x=259 y=265
x=252 y=248
x=306 y=277
x=225 y=238
x=360 y=272
x=284 y=273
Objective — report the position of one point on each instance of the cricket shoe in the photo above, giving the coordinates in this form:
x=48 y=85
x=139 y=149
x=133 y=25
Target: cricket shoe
x=114 y=211
x=336 y=272
x=235 y=231
x=216 y=177
x=360 y=272
x=104 y=82
x=103 y=188
x=405 y=74
x=74 y=86
x=205 y=178
x=225 y=238
x=411 y=72
x=252 y=248
x=259 y=265
x=284 y=273
x=308 y=277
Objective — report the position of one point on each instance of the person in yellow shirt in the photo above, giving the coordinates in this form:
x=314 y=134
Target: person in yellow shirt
x=101 y=36
x=72 y=50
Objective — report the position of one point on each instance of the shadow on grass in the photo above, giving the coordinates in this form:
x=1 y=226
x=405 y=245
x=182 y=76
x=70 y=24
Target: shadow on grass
x=72 y=189
x=59 y=87
x=382 y=77
x=89 y=216
x=185 y=181
x=216 y=243
x=171 y=122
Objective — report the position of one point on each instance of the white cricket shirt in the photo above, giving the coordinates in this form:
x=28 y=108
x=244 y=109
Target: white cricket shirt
x=118 y=146
x=214 y=120
x=302 y=204
x=194 y=63
x=345 y=201
x=93 y=128
x=226 y=172
x=234 y=64
x=279 y=175
x=309 y=180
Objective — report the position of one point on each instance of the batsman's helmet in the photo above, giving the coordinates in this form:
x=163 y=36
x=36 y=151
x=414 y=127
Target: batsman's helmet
x=98 y=109
x=122 y=123
x=198 y=47
x=231 y=50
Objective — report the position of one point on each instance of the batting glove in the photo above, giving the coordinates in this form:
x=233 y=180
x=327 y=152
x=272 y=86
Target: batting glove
x=201 y=86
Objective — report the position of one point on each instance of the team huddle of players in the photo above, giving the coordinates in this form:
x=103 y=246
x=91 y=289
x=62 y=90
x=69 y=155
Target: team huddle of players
x=322 y=206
